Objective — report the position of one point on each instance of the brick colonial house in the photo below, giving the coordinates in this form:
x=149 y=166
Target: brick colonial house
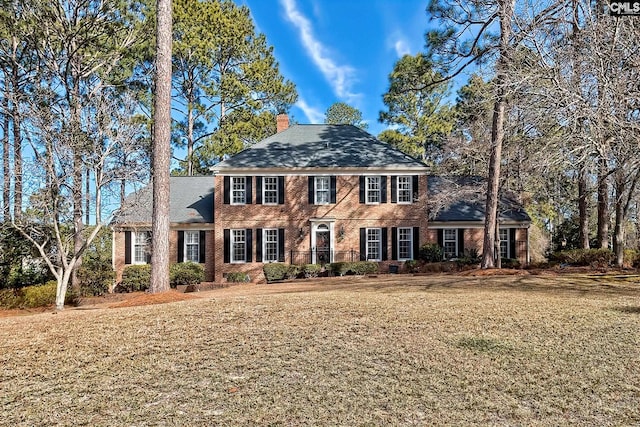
x=308 y=194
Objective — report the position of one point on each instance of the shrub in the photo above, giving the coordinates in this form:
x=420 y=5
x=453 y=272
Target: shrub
x=185 y=273
x=311 y=270
x=293 y=271
x=20 y=277
x=340 y=268
x=631 y=258
x=585 y=257
x=34 y=296
x=431 y=252
x=135 y=278
x=509 y=263
x=358 y=268
x=275 y=271
x=94 y=279
x=238 y=277
x=411 y=266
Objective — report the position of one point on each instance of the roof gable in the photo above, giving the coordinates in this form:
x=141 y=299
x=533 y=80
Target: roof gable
x=321 y=146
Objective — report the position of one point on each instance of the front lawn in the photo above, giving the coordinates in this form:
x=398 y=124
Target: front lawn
x=396 y=350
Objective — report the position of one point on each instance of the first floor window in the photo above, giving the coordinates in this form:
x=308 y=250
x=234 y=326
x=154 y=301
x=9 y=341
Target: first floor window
x=270 y=190
x=405 y=243
x=238 y=246
x=192 y=246
x=373 y=189
x=322 y=190
x=270 y=242
x=141 y=245
x=450 y=243
x=504 y=243
x=404 y=189
x=238 y=190
x=373 y=244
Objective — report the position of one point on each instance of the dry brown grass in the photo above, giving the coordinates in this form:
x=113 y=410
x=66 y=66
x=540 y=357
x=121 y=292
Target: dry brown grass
x=445 y=350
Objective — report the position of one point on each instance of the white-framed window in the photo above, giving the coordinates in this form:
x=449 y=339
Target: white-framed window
x=450 y=242
x=372 y=189
x=141 y=246
x=405 y=192
x=322 y=190
x=192 y=246
x=504 y=243
x=238 y=190
x=374 y=244
x=270 y=190
x=270 y=245
x=238 y=246
x=405 y=243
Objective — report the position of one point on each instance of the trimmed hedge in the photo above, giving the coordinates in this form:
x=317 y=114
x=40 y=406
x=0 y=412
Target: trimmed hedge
x=95 y=279
x=357 y=268
x=135 y=278
x=275 y=271
x=34 y=296
x=585 y=257
x=431 y=252
x=238 y=277
x=185 y=273
x=311 y=270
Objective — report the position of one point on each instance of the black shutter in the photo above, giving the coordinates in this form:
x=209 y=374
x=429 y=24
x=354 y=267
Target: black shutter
x=148 y=247
x=202 y=246
x=385 y=250
x=311 y=185
x=127 y=247
x=512 y=243
x=248 y=197
x=460 y=241
x=227 y=190
x=258 y=244
x=332 y=188
x=394 y=189
x=248 y=245
x=180 y=246
x=416 y=242
x=363 y=244
x=281 y=190
x=280 y=244
x=394 y=243
x=415 y=188
x=383 y=189
x=362 y=189
x=441 y=238
x=258 y=190
x=227 y=246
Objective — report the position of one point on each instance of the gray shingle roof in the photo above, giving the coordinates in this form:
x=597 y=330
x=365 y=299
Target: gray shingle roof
x=321 y=146
x=464 y=200
x=191 y=202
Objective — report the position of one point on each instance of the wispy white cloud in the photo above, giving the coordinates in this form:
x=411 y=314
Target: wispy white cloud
x=314 y=115
x=340 y=77
x=402 y=48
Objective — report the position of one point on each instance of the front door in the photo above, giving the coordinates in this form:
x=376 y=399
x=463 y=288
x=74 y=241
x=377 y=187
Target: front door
x=323 y=247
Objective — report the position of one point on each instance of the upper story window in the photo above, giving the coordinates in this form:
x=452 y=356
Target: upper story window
x=450 y=243
x=192 y=246
x=270 y=190
x=322 y=190
x=238 y=190
x=141 y=246
x=405 y=192
x=372 y=189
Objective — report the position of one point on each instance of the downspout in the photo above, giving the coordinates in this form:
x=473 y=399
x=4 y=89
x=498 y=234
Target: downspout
x=113 y=258
x=528 y=244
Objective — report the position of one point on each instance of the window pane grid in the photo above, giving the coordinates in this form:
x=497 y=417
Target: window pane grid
x=405 y=236
x=237 y=246
x=373 y=189
x=270 y=245
x=504 y=243
x=192 y=246
x=322 y=190
x=373 y=244
x=450 y=243
x=404 y=189
x=140 y=247
x=238 y=190
x=270 y=196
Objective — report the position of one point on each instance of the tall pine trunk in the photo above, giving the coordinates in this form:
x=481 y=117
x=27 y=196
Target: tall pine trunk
x=161 y=150
x=603 y=204
x=583 y=209
x=497 y=137
x=17 y=137
x=6 y=183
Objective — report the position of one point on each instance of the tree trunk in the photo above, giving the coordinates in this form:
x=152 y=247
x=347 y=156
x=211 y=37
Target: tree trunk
x=618 y=236
x=76 y=188
x=87 y=196
x=161 y=150
x=583 y=209
x=497 y=136
x=603 y=204
x=17 y=138
x=6 y=183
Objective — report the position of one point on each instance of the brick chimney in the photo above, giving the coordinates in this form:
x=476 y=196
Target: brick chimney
x=282 y=122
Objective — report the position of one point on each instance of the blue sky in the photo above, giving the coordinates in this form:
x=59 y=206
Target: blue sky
x=340 y=50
